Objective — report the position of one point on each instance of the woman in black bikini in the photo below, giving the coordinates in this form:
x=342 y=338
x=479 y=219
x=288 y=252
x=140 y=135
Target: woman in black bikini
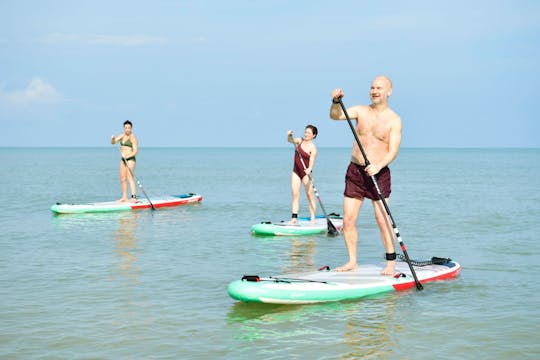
x=128 y=148
x=299 y=176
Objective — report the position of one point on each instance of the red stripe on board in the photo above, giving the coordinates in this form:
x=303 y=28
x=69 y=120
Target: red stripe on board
x=166 y=204
x=410 y=284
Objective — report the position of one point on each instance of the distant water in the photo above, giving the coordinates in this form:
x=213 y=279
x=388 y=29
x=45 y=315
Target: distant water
x=152 y=285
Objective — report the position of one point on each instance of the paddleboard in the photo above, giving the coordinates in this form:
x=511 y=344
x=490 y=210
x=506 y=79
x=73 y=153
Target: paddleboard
x=302 y=227
x=142 y=203
x=328 y=285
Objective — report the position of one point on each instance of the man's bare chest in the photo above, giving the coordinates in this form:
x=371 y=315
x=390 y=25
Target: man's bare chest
x=374 y=127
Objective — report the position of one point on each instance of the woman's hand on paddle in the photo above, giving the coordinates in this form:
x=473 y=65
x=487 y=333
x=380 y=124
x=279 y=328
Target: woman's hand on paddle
x=290 y=137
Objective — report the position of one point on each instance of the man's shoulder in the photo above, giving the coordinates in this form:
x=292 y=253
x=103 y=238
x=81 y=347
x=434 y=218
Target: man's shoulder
x=361 y=109
x=395 y=120
x=394 y=116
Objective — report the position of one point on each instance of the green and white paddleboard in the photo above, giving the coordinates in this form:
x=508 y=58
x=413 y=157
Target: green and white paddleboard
x=109 y=206
x=328 y=285
x=302 y=227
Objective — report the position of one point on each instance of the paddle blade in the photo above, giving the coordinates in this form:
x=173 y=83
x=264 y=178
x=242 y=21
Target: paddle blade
x=332 y=231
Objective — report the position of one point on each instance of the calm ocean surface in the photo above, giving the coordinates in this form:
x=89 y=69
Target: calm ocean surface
x=152 y=285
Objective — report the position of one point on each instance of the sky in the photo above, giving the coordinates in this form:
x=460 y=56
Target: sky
x=242 y=73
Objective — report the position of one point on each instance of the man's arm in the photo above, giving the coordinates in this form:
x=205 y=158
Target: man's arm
x=336 y=113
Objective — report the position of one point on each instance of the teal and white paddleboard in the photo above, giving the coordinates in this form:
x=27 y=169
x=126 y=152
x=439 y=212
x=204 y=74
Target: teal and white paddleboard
x=328 y=285
x=302 y=227
x=108 y=206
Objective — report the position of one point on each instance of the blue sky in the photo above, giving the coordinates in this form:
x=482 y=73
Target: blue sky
x=241 y=73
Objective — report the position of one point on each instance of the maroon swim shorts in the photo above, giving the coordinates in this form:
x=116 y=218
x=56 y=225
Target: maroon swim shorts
x=359 y=185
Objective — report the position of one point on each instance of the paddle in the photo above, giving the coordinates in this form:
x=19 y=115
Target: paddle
x=332 y=231
x=381 y=197
x=136 y=179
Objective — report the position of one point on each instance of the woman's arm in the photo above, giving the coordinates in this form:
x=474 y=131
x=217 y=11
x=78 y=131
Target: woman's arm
x=291 y=139
x=312 y=157
x=135 y=146
x=115 y=139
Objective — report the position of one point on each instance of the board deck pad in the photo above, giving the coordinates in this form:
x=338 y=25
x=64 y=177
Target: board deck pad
x=329 y=285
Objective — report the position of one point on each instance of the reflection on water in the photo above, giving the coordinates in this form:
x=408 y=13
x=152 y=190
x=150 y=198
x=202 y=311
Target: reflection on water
x=132 y=308
x=125 y=242
x=355 y=329
x=95 y=221
x=300 y=255
x=126 y=246
x=111 y=241
x=367 y=331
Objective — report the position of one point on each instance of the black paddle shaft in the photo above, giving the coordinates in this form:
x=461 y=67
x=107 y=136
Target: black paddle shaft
x=381 y=197
x=331 y=228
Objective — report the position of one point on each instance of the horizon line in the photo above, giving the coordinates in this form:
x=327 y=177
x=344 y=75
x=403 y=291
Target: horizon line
x=256 y=147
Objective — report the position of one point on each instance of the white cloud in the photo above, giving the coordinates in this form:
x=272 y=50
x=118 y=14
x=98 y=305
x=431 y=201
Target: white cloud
x=37 y=91
x=99 y=39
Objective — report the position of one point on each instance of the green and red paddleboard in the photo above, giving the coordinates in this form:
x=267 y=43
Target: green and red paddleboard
x=302 y=227
x=108 y=206
x=328 y=285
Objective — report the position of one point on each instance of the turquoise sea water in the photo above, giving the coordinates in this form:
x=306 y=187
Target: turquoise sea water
x=152 y=284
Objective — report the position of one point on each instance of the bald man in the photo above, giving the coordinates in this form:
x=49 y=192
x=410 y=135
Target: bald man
x=379 y=129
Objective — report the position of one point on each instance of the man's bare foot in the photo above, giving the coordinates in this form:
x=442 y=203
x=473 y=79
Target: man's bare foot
x=350 y=266
x=312 y=221
x=124 y=199
x=293 y=221
x=390 y=268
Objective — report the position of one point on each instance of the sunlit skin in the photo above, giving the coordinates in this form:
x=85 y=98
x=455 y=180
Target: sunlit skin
x=379 y=130
x=309 y=147
x=127 y=152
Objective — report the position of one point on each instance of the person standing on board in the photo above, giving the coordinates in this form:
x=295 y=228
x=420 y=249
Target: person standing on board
x=299 y=176
x=379 y=129
x=129 y=148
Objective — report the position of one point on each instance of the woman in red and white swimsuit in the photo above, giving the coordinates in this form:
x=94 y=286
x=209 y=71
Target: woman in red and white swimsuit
x=299 y=175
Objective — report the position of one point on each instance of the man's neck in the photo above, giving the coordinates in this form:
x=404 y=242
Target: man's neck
x=379 y=108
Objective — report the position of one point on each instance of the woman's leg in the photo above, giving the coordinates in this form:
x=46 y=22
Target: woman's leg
x=310 y=194
x=295 y=192
x=123 y=184
x=132 y=186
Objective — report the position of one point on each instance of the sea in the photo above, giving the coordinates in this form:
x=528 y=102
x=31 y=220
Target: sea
x=153 y=284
